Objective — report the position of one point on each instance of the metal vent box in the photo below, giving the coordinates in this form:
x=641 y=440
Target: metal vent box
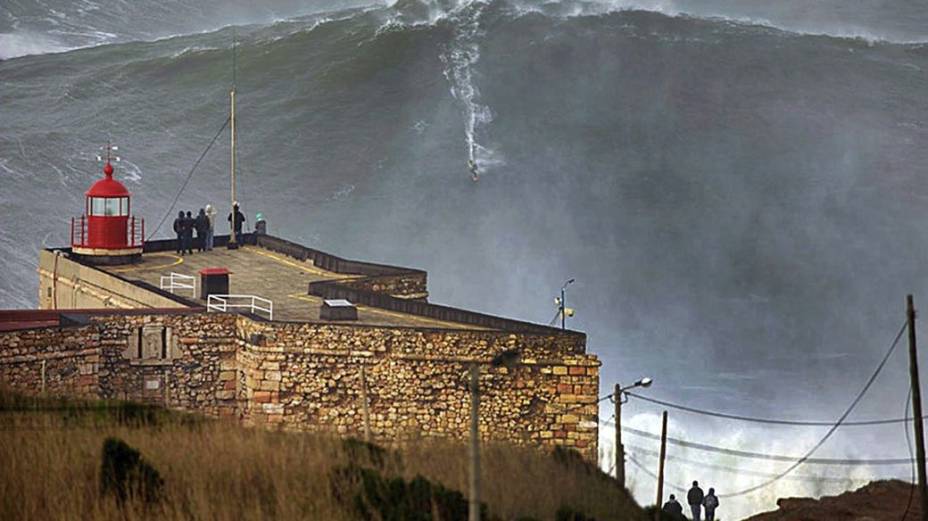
x=338 y=309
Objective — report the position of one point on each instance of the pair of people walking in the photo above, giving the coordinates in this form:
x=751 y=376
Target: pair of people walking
x=186 y=224
x=697 y=501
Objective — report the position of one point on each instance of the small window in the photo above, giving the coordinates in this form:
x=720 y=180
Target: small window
x=97 y=205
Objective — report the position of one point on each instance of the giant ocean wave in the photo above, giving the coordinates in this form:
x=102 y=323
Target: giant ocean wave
x=733 y=198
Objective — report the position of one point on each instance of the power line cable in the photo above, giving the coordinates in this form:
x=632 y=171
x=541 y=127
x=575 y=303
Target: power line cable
x=857 y=399
x=807 y=457
x=189 y=175
x=764 y=456
x=742 y=471
x=769 y=421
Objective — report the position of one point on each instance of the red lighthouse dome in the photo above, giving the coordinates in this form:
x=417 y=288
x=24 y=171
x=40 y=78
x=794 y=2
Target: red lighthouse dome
x=107 y=233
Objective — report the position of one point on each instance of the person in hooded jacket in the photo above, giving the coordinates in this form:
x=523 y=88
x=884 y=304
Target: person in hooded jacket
x=711 y=502
x=179 y=231
x=201 y=225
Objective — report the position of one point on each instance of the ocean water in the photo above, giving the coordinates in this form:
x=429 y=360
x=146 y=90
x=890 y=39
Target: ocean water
x=740 y=191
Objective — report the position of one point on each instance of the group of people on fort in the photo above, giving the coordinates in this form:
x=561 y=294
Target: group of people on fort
x=203 y=225
x=697 y=501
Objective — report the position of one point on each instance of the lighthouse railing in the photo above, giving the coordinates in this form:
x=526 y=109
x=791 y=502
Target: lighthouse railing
x=136 y=231
x=78 y=231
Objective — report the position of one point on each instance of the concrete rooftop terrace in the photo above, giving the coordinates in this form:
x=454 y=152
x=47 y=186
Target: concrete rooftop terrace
x=272 y=275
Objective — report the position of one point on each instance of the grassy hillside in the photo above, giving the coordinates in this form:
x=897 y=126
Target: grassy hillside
x=50 y=456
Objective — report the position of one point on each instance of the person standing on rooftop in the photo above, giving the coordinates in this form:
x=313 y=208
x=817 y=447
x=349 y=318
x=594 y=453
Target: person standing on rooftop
x=238 y=222
x=201 y=225
x=211 y=230
x=179 y=231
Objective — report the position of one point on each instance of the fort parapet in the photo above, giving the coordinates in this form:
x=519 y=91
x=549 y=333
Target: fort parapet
x=110 y=332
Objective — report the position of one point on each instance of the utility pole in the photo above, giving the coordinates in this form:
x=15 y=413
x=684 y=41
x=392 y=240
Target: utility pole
x=660 y=470
x=619 y=448
x=365 y=408
x=917 y=406
x=473 y=510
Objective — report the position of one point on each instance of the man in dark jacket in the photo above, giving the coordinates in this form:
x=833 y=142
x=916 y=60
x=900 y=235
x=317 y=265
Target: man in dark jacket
x=201 y=225
x=188 y=233
x=673 y=509
x=694 y=497
x=239 y=221
x=179 y=230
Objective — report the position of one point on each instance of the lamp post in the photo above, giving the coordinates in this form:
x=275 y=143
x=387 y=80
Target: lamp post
x=617 y=397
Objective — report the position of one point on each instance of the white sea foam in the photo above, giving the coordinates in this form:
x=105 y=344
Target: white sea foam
x=14 y=45
x=459 y=57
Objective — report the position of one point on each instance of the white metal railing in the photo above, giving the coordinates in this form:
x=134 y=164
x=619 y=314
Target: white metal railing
x=179 y=281
x=227 y=302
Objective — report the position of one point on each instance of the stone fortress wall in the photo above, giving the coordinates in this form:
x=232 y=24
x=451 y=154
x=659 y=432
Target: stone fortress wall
x=151 y=346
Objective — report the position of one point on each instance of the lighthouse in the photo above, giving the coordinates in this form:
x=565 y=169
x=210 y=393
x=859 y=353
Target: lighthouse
x=107 y=233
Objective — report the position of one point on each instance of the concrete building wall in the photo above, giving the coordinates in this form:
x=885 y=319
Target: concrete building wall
x=66 y=284
x=308 y=376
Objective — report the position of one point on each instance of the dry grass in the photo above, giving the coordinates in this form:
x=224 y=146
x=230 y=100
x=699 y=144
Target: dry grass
x=50 y=466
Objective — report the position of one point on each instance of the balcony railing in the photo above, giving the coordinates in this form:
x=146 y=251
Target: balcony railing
x=80 y=237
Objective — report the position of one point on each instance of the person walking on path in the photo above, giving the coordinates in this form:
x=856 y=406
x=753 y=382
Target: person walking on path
x=673 y=509
x=238 y=222
x=179 y=230
x=188 y=233
x=211 y=217
x=711 y=502
x=694 y=497
x=201 y=225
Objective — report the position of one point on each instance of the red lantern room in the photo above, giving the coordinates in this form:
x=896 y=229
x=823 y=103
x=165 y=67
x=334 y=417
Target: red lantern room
x=106 y=233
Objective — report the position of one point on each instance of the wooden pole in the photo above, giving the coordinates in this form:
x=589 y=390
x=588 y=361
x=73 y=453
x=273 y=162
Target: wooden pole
x=473 y=511
x=660 y=469
x=917 y=407
x=365 y=407
x=619 y=448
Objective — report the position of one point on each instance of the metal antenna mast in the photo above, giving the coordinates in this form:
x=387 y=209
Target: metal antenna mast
x=232 y=239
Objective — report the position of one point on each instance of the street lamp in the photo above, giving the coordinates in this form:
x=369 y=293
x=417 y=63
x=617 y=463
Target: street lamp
x=617 y=397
